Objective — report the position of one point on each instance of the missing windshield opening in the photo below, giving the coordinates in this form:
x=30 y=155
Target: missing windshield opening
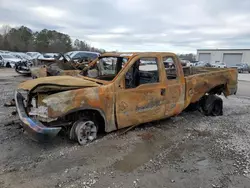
x=106 y=68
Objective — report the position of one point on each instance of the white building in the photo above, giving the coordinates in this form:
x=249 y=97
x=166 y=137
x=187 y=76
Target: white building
x=228 y=56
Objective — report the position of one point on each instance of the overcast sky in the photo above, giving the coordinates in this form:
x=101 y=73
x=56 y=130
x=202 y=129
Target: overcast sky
x=138 y=25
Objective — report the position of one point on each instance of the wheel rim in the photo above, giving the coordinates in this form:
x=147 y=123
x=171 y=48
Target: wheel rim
x=86 y=132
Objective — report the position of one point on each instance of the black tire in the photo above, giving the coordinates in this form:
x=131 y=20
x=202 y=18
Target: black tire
x=8 y=65
x=217 y=108
x=211 y=105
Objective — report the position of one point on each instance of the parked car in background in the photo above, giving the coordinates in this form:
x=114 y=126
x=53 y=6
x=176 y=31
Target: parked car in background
x=48 y=57
x=9 y=60
x=75 y=55
x=239 y=67
x=246 y=67
x=186 y=63
x=23 y=57
x=242 y=67
x=220 y=65
x=33 y=55
x=203 y=64
x=4 y=51
x=194 y=63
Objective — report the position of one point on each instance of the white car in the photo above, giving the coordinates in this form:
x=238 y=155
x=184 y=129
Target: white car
x=47 y=57
x=23 y=57
x=34 y=55
x=9 y=60
x=220 y=65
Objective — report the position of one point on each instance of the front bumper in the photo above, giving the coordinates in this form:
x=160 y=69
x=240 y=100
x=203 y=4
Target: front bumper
x=35 y=129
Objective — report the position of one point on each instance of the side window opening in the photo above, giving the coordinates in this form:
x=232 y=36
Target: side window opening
x=170 y=68
x=143 y=71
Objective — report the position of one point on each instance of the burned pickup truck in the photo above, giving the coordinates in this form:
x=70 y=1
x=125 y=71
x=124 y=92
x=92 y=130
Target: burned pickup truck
x=70 y=64
x=119 y=90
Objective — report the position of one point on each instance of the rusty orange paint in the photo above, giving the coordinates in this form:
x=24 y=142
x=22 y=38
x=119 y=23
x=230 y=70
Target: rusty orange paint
x=64 y=68
x=122 y=107
x=43 y=72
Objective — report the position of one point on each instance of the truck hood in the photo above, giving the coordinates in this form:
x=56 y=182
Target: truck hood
x=58 y=83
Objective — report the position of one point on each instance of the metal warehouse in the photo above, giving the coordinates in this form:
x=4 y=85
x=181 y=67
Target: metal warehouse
x=228 y=56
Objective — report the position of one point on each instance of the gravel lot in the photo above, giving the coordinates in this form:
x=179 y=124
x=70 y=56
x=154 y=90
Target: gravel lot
x=189 y=150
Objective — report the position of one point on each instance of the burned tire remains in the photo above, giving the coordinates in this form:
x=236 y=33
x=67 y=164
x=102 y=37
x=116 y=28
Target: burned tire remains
x=211 y=105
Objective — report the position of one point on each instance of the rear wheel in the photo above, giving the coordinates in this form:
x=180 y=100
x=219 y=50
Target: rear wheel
x=211 y=105
x=217 y=108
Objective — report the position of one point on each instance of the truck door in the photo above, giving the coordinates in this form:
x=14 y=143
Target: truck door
x=141 y=96
x=175 y=92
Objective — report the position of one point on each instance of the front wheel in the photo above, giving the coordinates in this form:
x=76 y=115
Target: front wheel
x=83 y=131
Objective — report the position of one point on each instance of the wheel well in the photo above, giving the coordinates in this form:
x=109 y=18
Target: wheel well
x=217 y=89
x=94 y=115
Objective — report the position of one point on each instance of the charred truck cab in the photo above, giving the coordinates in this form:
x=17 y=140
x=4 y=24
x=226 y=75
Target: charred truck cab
x=119 y=90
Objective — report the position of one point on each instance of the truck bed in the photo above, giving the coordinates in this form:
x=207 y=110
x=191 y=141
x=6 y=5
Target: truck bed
x=200 y=80
x=188 y=71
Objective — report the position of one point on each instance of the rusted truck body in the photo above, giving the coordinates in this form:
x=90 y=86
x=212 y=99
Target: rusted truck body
x=59 y=68
x=70 y=63
x=45 y=71
x=119 y=90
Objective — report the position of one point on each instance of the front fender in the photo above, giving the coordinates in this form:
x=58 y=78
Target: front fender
x=66 y=102
x=100 y=99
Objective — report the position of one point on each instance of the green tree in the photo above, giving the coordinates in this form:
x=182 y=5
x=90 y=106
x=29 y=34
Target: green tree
x=24 y=39
x=190 y=56
x=19 y=38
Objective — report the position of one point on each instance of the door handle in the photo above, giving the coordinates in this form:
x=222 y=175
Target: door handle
x=163 y=91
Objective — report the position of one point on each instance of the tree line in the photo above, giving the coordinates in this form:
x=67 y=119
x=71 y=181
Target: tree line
x=190 y=56
x=23 y=39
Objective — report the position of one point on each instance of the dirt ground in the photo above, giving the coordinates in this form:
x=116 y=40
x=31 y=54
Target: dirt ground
x=187 y=151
